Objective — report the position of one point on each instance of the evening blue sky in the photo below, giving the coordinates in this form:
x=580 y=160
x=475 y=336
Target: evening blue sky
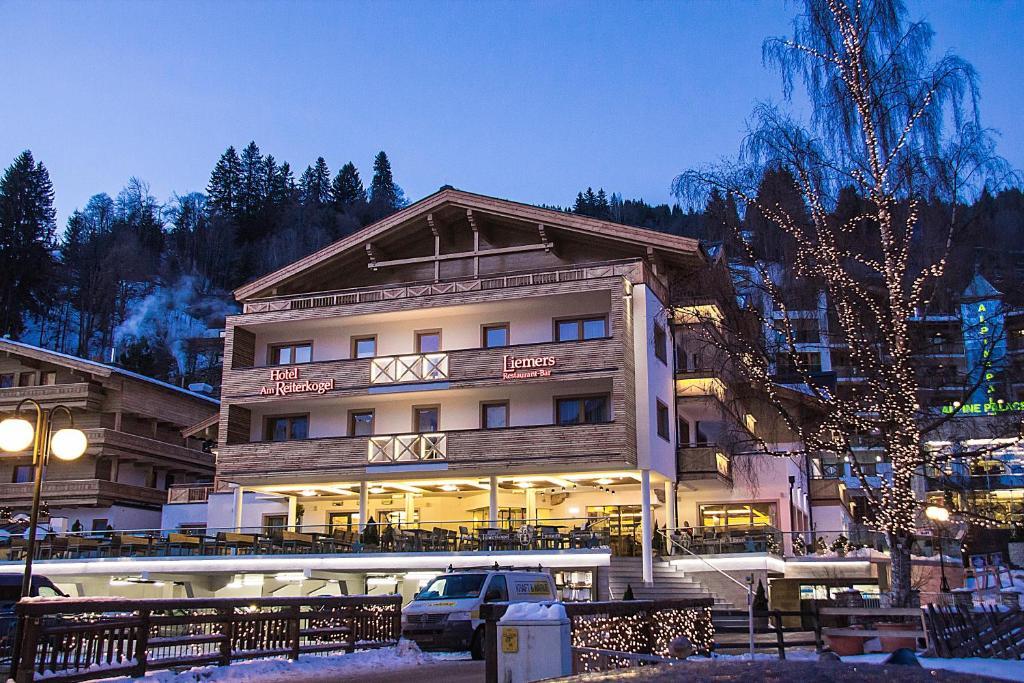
x=529 y=101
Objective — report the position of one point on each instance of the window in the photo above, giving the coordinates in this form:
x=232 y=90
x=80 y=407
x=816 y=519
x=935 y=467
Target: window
x=620 y=520
x=660 y=344
x=581 y=410
x=738 y=514
x=27 y=379
x=168 y=481
x=581 y=328
x=426 y=419
x=272 y=523
x=100 y=524
x=47 y=379
x=23 y=474
x=151 y=478
x=683 y=432
x=494 y=415
x=287 y=428
x=287 y=354
x=342 y=521
x=7 y=381
x=663 y=430
x=495 y=335
x=508 y=518
x=360 y=423
x=104 y=469
x=364 y=347
x=497 y=589
x=428 y=341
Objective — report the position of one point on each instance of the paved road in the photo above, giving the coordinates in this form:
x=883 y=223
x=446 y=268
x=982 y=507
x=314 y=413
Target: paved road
x=459 y=671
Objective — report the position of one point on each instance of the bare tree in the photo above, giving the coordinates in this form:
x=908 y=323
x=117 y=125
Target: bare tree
x=901 y=131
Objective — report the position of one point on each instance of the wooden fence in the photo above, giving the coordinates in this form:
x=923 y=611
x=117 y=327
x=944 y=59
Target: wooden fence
x=770 y=623
x=983 y=632
x=626 y=627
x=82 y=639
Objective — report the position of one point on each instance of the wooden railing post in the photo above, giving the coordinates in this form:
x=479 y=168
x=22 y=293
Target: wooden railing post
x=27 y=651
x=816 y=616
x=226 y=634
x=294 y=623
x=142 y=644
x=779 y=637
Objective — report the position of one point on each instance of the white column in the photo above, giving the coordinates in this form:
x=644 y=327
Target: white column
x=293 y=512
x=410 y=508
x=239 y=493
x=670 y=505
x=531 y=506
x=492 y=502
x=645 y=526
x=364 y=495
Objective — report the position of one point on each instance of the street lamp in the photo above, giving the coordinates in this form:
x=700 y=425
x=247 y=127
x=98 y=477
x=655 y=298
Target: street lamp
x=16 y=435
x=939 y=516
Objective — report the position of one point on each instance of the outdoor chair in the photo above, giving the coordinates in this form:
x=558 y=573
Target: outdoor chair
x=467 y=541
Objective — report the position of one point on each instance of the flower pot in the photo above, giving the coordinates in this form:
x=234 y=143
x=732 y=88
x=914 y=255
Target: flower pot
x=893 y=644
x=845 y=646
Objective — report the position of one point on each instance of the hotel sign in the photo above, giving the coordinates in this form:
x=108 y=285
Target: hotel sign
x=529 y=367
x=286 y=382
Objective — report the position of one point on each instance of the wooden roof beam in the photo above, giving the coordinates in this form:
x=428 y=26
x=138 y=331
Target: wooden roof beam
x=551 y=247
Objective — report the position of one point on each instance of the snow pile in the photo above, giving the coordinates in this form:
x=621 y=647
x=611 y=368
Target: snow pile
x=405 y=655
x=534 y=611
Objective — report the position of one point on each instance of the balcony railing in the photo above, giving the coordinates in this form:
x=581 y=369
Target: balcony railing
x=704 y=462
x=407 y=448
x=189 y=493
x=423 y=367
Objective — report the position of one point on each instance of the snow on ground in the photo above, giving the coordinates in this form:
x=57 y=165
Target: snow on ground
x=403 y=656
x=1010 y=670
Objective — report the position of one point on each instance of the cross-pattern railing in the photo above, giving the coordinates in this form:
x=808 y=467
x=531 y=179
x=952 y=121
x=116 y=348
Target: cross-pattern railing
x=407 y=448
x=421 y=367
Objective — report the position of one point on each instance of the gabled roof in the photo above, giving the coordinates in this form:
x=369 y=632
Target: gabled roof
x=980 y=288
x=668 y=245
x=90 y=366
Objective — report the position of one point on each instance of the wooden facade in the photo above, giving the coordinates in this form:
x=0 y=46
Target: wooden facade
x=133 y=425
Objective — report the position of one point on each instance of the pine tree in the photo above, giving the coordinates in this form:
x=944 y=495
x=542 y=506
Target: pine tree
x=254 y=171
x=315 y=184
x=385 y=196
x=225 y=187
x=27 y=226
x=347 y=190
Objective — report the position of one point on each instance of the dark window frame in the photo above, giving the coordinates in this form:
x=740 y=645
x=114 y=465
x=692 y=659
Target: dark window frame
x=268 y=433
x=7 y=380
x=22 y=468
x=484 y=405
x=495 y=326
x=361 y=411
x=580 y=326
x=663 y=419
x=581 y=399
x=273 y=349
x=355 y=339
x=30 y=375
x=417 y=336
x=660 y=340
x=415 y=417
x=45 y=375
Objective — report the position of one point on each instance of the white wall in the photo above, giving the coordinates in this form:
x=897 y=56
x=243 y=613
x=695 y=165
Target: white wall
x=654 y=382
x=530 y=321
x=120 y=517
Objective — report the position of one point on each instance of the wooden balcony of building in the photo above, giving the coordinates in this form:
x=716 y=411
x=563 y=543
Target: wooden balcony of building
x=461 y=368
x=59 y=493
x=130 y=447
x=198 y=492
x=81 y=395
x=633 y=269
x=710 y=464
x=829 y=492
x=462 y=452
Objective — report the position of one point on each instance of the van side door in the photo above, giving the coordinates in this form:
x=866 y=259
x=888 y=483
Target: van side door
x=497 y=589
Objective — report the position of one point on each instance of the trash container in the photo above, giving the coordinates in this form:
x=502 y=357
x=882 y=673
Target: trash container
x=533 y=643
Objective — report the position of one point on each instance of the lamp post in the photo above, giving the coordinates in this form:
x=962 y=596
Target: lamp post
x=16 y=435
x=939 y=516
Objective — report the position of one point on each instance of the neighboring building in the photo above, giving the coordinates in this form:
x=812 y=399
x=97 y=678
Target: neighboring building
x=136 y=447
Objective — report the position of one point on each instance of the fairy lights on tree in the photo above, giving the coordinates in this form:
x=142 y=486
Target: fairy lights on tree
x=901 y=131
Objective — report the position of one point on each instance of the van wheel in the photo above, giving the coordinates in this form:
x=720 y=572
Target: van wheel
x=476 y=647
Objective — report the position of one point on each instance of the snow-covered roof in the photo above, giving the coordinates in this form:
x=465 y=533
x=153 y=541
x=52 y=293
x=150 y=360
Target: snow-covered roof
x=94 y=367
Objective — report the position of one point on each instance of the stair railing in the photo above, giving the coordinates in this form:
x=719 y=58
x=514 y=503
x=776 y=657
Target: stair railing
x=749 y=586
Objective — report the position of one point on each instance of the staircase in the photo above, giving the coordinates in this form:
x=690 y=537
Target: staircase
x=668 y=582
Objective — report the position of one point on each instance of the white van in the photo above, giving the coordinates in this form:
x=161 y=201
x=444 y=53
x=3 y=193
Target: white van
x=445 y=615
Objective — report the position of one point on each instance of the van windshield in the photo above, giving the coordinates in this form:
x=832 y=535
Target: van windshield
x=453 y=586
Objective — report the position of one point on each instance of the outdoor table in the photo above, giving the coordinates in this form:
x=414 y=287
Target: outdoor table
x=79 y=546
x=550 y=536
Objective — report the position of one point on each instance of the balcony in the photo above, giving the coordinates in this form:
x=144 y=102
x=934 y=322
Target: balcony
x=81 y=492
x=423 y=367
x=112 y=442
x=461 y=368
x=407 y=448
x=84 y=395
x=829 y=492
x=465 y=452
x=704 y=463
